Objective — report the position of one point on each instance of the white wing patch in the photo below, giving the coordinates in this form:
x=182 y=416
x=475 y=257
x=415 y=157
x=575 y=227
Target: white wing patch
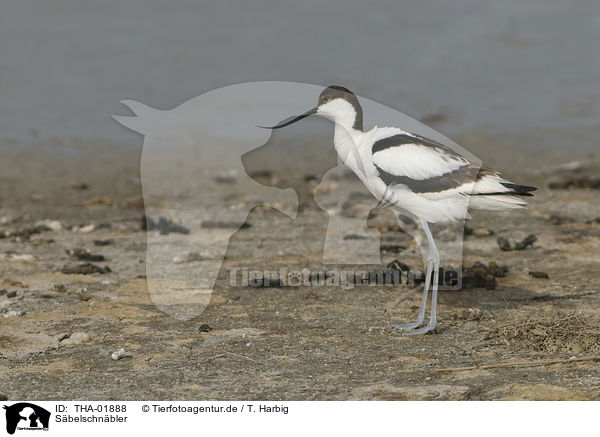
x=416 y=161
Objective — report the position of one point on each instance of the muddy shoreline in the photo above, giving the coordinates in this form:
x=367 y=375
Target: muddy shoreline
x=59 y=330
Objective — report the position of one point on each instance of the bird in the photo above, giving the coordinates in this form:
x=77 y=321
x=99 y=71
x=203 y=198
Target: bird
x=409 y=172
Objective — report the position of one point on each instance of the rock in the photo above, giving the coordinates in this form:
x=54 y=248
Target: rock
x=78 y=185
x=354 y=237
x=84 y=229
x=481 y=276
x=61 y=288
x=118 y=354
x=74 y=339
x=526 y=242
x=23 y=233
x=53 y=225
x=164 y=226
x=14 y=313
x=483 y=232
x=497 y=270
x=84 y=255
x=23 y=257
x=398 y=265
x=226 y=177
x=537 y=274
x=11 y=294
x=204 y=328
x=504 y=244
x=507 y=246
x=85 y=269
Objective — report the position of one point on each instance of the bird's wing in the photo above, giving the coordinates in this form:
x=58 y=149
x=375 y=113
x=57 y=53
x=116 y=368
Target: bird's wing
x=408 y=156
x=434 y=170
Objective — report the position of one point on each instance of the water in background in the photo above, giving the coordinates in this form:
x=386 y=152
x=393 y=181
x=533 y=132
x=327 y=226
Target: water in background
x=469 y=64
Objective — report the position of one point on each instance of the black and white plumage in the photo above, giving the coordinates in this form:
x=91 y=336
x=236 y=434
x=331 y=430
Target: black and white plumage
x=412 y=173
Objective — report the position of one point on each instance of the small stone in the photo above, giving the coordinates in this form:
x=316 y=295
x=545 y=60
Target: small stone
x=53 y=225
x=354 y=237
x=504 y=244
x=14 y=313
x=226 y=177
x=75 y=339
x=537 y=274
x=398 y=265
x=118 y=354
x=526 y=242
x=204 y=328
x=78 y=185
x=483 y=232
x=23 y=257
x=84 y=255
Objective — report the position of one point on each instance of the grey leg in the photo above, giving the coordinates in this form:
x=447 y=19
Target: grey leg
x=433 y=263
x=421 y=316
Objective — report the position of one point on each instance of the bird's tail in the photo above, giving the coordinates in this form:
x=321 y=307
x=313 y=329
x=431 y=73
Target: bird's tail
x=490 y=191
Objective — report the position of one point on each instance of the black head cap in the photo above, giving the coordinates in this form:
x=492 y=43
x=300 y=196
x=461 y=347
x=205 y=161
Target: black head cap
x=339 y=92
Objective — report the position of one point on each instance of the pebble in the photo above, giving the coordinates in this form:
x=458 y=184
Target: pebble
x=537 y=274
x=74 y=339
x=204 y=328
x=164 y=226
x=53 y=225
x=14 y=313
x=508 y=246
x=78 y=185
x=84 y=255
x=118 y=354
x=24 y=257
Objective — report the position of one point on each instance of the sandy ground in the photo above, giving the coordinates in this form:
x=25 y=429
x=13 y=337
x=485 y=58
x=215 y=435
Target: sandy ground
x=527 y=338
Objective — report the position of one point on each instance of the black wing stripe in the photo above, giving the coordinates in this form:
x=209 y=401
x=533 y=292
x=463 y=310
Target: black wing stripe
x=402 y=139
x=436 y=184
